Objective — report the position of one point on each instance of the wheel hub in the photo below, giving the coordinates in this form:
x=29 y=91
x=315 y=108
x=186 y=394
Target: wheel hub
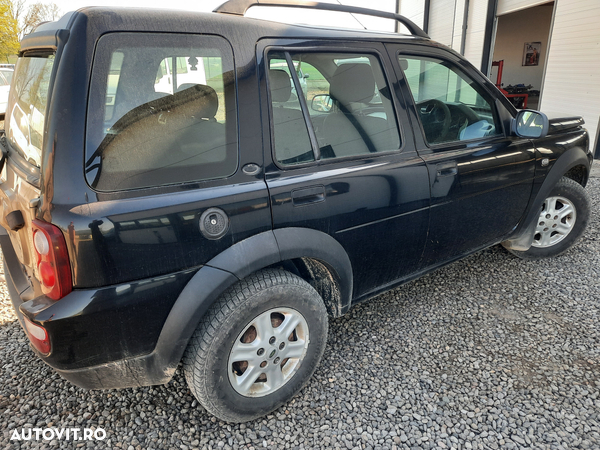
x=556 y=221
x=267 y=353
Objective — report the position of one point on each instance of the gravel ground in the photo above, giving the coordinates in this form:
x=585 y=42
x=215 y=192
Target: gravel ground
x=490 y=352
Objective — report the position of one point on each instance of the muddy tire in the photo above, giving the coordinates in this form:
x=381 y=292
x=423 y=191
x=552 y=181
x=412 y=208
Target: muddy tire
x=257 y=346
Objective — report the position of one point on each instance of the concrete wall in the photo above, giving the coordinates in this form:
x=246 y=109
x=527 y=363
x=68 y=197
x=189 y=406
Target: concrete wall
x=514 y=30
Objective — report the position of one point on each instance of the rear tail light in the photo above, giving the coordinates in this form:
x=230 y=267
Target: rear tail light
x=53 y=267
x=38 y=337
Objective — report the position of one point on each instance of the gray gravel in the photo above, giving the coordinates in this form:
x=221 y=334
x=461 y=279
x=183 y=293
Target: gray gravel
x=490 y=352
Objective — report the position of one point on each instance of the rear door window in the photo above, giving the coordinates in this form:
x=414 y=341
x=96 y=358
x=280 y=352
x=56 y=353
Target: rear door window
x=162 y=111
x=347 y=99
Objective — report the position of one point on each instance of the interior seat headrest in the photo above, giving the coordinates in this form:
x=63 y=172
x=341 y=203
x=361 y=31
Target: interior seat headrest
x=205 y=97
x=280 y=84
x=352 y=83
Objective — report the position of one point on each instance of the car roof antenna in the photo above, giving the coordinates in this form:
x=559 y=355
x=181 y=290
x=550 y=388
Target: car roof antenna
x=353 y=16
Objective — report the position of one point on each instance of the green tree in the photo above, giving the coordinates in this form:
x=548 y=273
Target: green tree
x=9 y=29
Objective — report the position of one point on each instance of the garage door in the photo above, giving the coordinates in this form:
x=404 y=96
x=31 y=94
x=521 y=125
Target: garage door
x=509 y=6
x=572 y=81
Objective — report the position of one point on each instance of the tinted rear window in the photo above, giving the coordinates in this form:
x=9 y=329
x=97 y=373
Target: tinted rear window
x=161 y=111
x=26 y=111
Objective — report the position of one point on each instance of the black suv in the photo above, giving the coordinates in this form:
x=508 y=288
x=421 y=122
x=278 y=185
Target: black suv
x=211 y=188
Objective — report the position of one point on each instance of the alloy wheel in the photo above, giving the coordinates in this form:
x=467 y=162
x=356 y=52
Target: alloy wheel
x=268 y=352
x=556 y=221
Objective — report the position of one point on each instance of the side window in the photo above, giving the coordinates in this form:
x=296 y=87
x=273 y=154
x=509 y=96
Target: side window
x=452 y=107
x=347 y=99
x=292 y=143
x=161 y=111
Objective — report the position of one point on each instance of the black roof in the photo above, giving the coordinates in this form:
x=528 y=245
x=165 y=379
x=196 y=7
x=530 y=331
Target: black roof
x=92 y=22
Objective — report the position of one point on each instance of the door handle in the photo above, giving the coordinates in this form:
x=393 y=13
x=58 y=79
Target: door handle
x=309 y=195
x=446 y=169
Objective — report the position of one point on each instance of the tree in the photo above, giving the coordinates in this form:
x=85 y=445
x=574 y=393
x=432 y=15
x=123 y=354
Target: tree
x=36 y=14
x=9 y=41
x=17 y=9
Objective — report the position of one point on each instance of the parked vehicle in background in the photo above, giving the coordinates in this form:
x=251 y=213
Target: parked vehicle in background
x=5 y=80
x=166 y=197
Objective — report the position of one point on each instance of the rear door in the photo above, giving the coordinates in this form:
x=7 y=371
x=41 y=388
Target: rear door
x=339 y=162
x=480 y=175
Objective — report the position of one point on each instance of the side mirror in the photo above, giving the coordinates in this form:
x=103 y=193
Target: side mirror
x=321 y=103
x=306 y=75
x=530 y=124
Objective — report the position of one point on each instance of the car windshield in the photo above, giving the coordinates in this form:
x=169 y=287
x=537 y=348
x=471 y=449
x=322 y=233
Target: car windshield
x=26 y=110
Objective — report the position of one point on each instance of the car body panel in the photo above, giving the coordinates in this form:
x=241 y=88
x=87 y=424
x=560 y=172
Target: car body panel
x=376 y=205
x=139 y=258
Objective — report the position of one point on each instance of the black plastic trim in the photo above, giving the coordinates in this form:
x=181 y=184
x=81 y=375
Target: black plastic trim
x=235 y=263
x=248 y=256
x=305 y=242
x=200 y=293
x=239 y=8
x=15 y=220
x=568 y=160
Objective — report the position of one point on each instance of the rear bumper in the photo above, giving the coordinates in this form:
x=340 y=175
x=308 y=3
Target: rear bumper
x=133 y=372
x=146 y=370
x=101 y=338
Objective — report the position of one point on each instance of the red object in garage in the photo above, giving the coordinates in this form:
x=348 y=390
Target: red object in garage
x=500 y=65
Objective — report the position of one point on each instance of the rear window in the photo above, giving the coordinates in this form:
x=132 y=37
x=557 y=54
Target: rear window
x=26 y=111
x=161 y=111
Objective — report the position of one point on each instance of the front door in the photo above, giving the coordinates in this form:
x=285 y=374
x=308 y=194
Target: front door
x=480 y=176
x=340 y=163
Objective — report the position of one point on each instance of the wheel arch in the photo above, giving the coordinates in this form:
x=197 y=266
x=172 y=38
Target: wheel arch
x=319 y=259
x=573 y=163
x=579 y=174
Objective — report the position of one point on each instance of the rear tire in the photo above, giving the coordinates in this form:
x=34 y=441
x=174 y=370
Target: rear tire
x=257 y=346
x=563 y=219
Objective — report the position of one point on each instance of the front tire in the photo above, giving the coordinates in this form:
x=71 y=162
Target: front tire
x=563 y=219
x=257 y=346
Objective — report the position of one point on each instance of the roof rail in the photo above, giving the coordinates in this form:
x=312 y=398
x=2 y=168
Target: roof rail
x=239 y=8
